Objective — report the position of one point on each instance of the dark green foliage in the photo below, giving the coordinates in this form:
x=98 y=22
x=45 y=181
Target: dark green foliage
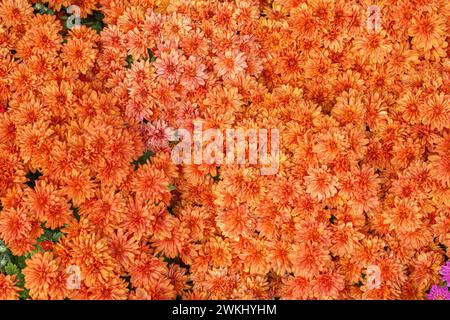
x=216 y=178
x=333 y=219
x=94 y=21
x=32 y=177
x=129 y=61
x=75 y=213
x=40 y=8
x=151 y=55
x=143 y=159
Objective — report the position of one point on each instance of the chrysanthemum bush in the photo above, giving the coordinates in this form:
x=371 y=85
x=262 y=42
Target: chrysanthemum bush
x=88 y=188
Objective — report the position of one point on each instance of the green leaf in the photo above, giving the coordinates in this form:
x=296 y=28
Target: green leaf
x=48 y=234
x=75 y=213
x=25 y=294
x=333 y=219
x=172 y=187
x=57 y=236
x=98 y=15
x=142 y=159
x=21 y=262
x=94 y=21
x=20 y=280
x=11 y=269
x=32 y=177
x=36 y=250
x=42 y=9
x=151 y=55
x=130 y=61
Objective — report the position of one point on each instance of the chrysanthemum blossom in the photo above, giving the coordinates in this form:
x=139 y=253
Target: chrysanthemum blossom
x=321 y=183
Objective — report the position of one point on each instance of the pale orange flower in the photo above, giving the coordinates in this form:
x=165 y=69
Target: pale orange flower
x=309 y=259
x=320 y=183
x=229 y=64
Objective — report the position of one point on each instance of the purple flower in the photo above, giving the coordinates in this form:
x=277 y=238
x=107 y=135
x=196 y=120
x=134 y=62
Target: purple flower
x=445 y=273
x=439 y=293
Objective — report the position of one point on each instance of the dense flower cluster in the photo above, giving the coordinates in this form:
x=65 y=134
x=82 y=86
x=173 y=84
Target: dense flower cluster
x=86 y=177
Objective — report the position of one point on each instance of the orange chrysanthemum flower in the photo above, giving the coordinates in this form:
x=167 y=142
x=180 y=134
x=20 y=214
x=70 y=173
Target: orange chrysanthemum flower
x=45 y=277
x=14 y=12
x=320 y=183
x=309 y=259
x=151 y=184
x=8 y=288
x=427 y=30
x=80 y=55
x=93 y=258
x=147 y=270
